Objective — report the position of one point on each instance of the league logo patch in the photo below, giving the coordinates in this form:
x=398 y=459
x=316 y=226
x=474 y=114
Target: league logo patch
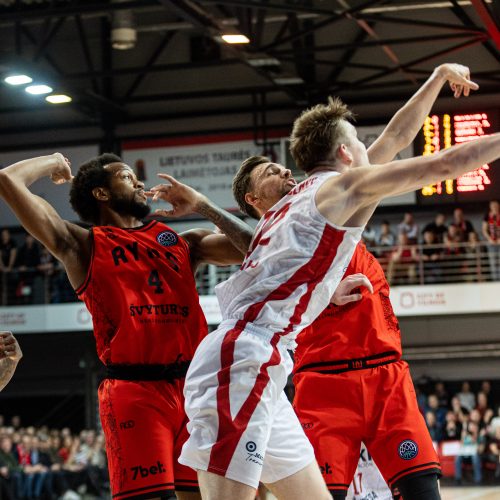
x=167 y=238
x=408 y=449
x=251 y=446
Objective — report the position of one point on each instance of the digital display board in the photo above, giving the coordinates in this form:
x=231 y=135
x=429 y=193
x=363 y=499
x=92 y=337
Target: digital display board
x=440 y=132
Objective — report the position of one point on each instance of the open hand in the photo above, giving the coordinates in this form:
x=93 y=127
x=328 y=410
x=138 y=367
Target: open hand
x=347 y=290
x=184 y=199
x=458 y=77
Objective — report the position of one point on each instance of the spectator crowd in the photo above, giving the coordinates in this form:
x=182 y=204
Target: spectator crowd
x=468 y=420
x=47 y=464
x=438 y=253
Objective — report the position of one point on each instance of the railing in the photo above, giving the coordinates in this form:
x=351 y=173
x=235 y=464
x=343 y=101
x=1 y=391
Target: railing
x=408 y=265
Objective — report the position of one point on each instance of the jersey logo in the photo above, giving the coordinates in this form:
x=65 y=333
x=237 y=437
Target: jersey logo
x=167 y=238
x=251 y=446
x=408 y=449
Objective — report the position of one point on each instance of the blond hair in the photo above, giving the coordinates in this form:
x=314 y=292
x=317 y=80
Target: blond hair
x=316 y=131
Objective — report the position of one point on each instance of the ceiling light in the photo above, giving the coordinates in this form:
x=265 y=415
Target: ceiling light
x=123 y=32
x=288 y=80
x=235 y=39
x=38 y=89
x=58 y=98
x=18 y=79
x=261 y=62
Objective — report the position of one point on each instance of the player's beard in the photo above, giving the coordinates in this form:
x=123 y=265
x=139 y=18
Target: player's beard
x=129 y=207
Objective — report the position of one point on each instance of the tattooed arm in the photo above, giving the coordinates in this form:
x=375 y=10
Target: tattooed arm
x=10 y=354
x=224 y=248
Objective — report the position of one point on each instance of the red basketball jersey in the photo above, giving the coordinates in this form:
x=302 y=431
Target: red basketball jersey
x=356 y=330
x=141 y=292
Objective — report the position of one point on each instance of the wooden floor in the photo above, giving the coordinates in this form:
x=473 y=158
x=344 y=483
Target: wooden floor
x=484 y=493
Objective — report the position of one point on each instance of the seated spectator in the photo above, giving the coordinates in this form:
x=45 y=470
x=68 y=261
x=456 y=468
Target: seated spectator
x=463 y=225
x=438 y=227
x=482 y=406
x=495 y=422
x=431 y=256
x=491 y=232
x=442 y=395
x=435 y=430
x=10 y=471
x=494 y=451
x=402 y=267
x=409 y=228
x=472 y=445
x=486 y=389
x=369 y=236
x=453 y=428
x=34 y=474
x=439 y=412
x=466 y=397
x=386 y=237
x=453 y=241
x=472 y=267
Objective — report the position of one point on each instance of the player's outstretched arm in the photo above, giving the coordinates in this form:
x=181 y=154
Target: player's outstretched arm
x=223 y=249
x=10 y=354
x=62 y=238
x=406 y=123
x=343 y=199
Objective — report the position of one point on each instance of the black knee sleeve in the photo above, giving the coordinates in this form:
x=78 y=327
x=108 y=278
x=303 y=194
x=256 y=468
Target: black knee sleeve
x=339 y=496
x=423 y=487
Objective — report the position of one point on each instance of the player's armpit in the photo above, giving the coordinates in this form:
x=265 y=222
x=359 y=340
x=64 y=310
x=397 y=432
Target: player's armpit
x=208 y=247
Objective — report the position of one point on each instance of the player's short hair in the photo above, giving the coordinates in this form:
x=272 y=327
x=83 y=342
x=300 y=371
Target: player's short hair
x=89 y=176
x=316 y=131
x=242 y=181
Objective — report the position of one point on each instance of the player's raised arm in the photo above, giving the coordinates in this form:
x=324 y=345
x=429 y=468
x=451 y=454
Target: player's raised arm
x=367 y=185
x=209 y=247
x=62 y=238
x=405 y=124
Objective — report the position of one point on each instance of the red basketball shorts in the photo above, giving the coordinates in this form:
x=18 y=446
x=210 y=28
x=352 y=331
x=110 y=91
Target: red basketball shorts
x=376 y=406
x=145 y=427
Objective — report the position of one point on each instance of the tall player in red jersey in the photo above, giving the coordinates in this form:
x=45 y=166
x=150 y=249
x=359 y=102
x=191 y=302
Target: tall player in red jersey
x=351 y=385
x=137 y=281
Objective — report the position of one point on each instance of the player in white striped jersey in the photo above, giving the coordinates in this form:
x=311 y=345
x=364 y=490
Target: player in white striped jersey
x=368 y=483
x=241 y=426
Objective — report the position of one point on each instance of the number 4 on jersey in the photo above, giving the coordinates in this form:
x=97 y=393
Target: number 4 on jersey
x=155 y=281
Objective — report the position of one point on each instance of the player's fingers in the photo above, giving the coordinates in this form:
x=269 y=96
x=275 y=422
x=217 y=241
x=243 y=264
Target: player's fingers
x=164 y=213
x=466 y=82
x=353 y=297
x=169 y=178
x=360 y=280
x=5 y=333
x=161 y=187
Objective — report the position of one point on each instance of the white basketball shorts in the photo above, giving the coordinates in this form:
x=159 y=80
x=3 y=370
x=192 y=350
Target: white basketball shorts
x=241 y=424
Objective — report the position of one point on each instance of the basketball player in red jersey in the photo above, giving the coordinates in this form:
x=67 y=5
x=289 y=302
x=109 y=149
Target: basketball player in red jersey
x=351 y=385
x=137 y=281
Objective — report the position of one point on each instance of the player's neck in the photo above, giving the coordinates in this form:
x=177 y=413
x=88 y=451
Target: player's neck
x=111 y=218
x=328 y=167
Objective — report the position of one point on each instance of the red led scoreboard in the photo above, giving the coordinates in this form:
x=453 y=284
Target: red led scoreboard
x=443 y=131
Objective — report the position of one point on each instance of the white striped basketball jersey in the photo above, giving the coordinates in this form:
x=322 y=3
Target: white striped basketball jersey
x=295 y=262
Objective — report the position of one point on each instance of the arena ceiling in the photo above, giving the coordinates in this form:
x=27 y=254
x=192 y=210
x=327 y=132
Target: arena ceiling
x=180 y=76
